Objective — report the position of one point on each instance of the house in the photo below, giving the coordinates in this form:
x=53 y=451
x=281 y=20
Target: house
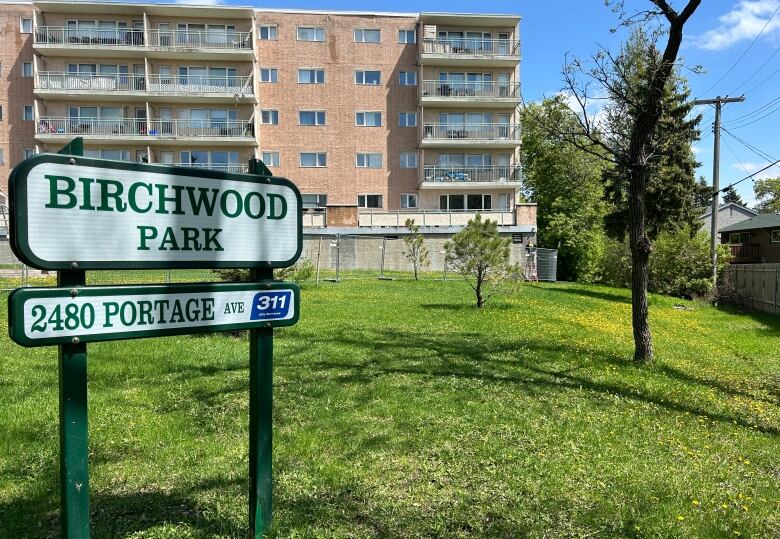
x=728 y=214
x=754 y=240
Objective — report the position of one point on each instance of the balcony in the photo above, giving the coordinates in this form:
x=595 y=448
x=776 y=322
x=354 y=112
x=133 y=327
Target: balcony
x=484 y=135
x=124 y=86
x=470 y=52
x=470 y=94
x=745 y=253
x=177 y=44
x=207 y=44
x=436 y=218
x=112 y=130
x=232 y=168
x=233 y=88
x=92 y=42
x=470 y=177
x=110 y=87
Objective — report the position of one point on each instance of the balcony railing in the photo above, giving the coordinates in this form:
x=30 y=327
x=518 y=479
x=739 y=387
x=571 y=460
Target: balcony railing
x=445 y=174
x=205 y=39
x=205 y=84
x=432 y=217
x=451 y=131
x=744 y=253
x=201 y=128
x=471 y=46
x=221 y=167
x=487 y=89
x=89 y=37
x=152 y=128
x=119 y=82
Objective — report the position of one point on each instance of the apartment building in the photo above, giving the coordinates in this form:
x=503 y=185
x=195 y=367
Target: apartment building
x=375 y=116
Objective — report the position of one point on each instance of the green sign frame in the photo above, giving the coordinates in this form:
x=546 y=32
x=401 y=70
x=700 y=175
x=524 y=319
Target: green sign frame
x=18 y=298
x=19 y=215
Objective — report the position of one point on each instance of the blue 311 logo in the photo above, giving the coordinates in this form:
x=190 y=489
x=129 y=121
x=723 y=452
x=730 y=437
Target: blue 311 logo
x=271 y=305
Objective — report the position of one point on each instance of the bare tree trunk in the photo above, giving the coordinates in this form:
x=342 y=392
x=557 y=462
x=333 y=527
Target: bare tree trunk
x=478 y=291
x=641 y=248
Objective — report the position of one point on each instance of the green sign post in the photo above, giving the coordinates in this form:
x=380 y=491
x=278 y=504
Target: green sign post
x=73 y=214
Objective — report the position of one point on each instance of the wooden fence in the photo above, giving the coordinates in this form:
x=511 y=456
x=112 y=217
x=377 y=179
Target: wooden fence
x=759 y=285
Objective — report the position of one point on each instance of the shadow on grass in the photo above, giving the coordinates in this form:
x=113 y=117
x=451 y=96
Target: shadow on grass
x=465 y=355
x=579 y=291
x=463 y=307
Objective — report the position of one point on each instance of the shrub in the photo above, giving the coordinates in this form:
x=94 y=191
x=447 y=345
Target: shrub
x=299 y=272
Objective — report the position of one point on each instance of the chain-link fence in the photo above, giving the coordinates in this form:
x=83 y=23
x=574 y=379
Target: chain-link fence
x=332 y=257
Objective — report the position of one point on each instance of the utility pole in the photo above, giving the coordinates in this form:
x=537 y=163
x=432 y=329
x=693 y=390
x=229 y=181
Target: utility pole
x=718 y=102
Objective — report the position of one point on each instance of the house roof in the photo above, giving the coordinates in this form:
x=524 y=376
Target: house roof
x=722 y=207
x=763 y=220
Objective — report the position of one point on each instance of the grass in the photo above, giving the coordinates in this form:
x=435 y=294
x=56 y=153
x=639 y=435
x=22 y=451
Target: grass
x=402 y=411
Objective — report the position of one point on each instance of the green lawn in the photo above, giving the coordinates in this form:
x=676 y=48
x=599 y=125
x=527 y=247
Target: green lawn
x=402 y=411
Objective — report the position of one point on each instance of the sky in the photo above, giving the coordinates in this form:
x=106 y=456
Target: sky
x=734 y=41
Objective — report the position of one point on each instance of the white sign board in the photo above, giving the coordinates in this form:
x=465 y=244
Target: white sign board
x=108 y=214
x=44 y=316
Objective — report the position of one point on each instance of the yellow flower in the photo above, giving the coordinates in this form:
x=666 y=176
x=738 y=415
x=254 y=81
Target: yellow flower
x=680 y=517
x=695 y=502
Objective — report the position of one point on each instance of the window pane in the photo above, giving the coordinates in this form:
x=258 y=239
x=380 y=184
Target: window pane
x=308 y=160
x=474 y=202
x=456 y=202
x=371 y=77
x=306 y=117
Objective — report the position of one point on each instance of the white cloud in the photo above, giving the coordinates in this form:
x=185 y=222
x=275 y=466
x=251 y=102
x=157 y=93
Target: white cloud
x=743 y=22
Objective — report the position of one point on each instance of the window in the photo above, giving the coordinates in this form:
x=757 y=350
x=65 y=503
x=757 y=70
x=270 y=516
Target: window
x=271 y=159
x=313 y=159
x=267 y=32
x=27 y=113
x=368 y=119
x=28 y=152
x=269 y=74
x=270 y=117
x=2 y=157
x=774 y=236
x=26 y=26
x=408 y=160
x=366 y=35
x=407 y=119
x=464 y=202
x=407 y=36
x=311 y=76
x=314 y=201
x=369 y=160
x=407 y=78
x=408 y=200
x=369 y=201
x=367 y=77
x=311 y=33
x=739 y=238
x=27 y=69
x=204 y=159
x=1 y=112
x=311 y=117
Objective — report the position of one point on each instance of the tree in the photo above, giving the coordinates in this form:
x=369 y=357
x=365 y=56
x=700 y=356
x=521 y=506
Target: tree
x=730 y=195
x=640 y=133
x=415 y=249
x=481 y=256
x=565 y=183
x=768 y=194
x=702 y=195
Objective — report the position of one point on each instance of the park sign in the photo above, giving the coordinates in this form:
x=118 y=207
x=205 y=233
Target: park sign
x=70 y=212
x=47 y=316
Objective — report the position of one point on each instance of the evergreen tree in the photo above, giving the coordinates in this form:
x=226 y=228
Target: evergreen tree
x=730 y=195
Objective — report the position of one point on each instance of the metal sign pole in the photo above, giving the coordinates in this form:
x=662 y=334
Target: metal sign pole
x=72 y=364
x=261 y=355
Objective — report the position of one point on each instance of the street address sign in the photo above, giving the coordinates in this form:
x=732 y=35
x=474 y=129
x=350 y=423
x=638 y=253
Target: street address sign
x=46 y=316
x=72 y=212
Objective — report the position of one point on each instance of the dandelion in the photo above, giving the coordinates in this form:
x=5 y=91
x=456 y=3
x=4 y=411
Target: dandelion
x=696 y=502
x=680 y=517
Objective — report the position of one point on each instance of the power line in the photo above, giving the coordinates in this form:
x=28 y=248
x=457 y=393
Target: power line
x=756 y=71
x=762 y=154
x=751 y=122
x=754 y=112
x=764 y=81
x=745 y=52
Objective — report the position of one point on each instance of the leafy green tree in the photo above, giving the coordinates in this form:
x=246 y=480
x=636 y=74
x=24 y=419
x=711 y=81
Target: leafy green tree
x=415 y=249
x=730 y=195
x=482 y=257
x=565 y=183
x=702 y=195
x=768 y=194
x=645 y=133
